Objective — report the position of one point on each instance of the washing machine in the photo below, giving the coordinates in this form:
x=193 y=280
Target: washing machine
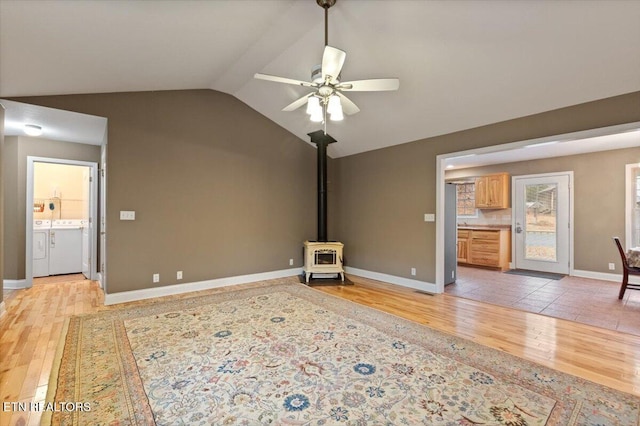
x=41 y=230
x=65 y=247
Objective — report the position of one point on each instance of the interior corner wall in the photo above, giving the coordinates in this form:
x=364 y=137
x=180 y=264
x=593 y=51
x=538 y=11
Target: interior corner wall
x=14 y=160
x=384 y=194
x=218 y=190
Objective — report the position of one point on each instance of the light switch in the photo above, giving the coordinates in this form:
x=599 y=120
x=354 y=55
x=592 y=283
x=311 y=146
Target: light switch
x=429 y=217
x=127 y=215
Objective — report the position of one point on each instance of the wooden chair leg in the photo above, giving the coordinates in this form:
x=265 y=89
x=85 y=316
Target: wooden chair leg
x=623 y=287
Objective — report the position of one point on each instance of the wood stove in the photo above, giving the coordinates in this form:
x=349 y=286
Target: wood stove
x=322 y=257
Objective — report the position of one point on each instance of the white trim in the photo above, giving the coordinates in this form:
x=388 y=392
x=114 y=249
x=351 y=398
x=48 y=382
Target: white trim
x=99 y=279
x=629 y=199
x=15 y=284
x=392 y=279
x=3 y=310
x=148 y=293
x=604 y=276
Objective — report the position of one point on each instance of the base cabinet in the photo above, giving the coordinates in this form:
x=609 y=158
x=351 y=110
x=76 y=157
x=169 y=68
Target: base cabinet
x=491 y=247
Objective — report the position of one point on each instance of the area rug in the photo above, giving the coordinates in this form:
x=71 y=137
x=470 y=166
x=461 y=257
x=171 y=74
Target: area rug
x=287 y=354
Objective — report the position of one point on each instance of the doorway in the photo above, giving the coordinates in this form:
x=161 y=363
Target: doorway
x=62 y=194
x=542 y=225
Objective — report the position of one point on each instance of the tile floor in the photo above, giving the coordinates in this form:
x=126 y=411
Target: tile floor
x=582 y=300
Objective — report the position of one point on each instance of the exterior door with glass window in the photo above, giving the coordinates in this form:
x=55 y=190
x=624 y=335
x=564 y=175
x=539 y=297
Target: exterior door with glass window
x=541 y=222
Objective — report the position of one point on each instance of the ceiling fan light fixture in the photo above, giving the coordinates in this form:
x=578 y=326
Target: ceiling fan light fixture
x=32 y=130
x=316 y=116
x=334 y=105
x=337 y=115
x=313 y=105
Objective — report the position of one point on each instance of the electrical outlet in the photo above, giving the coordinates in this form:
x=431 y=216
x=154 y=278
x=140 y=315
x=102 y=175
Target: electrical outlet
x=290 y=262
x=127 y=215
x=179 y=275
x=612 y=266
x=156 y=278
x=413 y=271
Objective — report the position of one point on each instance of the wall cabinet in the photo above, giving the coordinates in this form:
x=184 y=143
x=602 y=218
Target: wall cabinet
x=486 y=247
x=492 y=191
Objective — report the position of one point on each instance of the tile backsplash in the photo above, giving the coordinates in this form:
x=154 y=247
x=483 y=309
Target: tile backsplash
x=488 y=217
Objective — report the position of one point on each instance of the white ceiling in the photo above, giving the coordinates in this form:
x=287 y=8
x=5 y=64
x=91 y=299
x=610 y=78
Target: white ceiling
x=461 y=64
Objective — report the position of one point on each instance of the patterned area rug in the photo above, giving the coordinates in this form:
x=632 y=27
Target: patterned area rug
x=289 y=355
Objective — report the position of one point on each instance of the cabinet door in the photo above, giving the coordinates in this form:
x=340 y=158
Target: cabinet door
x=497 y=191
x=481 y=192
x=463 y=250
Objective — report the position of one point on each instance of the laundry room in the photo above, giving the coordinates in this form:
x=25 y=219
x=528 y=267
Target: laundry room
x=61 y=205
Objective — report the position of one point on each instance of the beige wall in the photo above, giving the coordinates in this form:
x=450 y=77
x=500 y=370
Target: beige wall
x=197 y=167
x=384 y=194
x=218 y=189
x=599 y=199
x=14 y=161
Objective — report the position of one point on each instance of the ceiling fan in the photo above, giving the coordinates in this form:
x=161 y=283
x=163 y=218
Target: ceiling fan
x=327 y=97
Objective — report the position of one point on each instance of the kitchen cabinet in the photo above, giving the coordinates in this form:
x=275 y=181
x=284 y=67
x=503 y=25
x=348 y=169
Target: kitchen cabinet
x=492 y=191
x=463 y=245
x=485 y=247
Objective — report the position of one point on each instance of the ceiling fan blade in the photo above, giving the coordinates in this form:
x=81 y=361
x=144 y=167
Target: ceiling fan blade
x=372 y=85
x=283 y=80
x=297 y=103
x=348 y=106
x=332 y=61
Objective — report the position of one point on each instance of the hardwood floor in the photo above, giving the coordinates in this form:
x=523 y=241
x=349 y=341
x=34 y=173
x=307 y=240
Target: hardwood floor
x=31 y=329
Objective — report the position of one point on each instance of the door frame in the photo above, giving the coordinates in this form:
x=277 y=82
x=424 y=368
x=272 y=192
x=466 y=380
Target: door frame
x=28 y=261
x=570 y=214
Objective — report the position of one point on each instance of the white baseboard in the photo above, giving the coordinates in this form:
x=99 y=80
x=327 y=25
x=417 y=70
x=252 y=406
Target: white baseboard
x=99 y=279
x=14 y=284
x=604 y=276
x=392 y=279
x=3 y=310
x=148 y=293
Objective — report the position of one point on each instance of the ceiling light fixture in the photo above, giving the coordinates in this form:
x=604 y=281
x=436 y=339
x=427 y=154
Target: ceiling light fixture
x=32 y=130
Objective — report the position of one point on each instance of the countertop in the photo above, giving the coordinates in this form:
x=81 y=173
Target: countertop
x=485 y=227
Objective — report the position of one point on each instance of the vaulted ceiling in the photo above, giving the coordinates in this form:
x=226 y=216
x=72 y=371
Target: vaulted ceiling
x=461 y=64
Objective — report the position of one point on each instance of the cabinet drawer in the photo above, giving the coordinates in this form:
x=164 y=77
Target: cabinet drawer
x=488 y=259
x=485 y=235
x=485 y=246
x=463 y=233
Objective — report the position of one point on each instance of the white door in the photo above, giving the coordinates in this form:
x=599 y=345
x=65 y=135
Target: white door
x=87 y=222
x=541 y=230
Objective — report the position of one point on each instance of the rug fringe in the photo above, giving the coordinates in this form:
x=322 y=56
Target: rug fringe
x=52 y=386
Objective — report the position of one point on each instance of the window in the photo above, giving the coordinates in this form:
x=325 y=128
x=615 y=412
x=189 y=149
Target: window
x=466 y=196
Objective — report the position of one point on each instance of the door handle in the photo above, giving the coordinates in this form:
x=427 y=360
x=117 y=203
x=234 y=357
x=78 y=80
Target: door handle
x=518 y=228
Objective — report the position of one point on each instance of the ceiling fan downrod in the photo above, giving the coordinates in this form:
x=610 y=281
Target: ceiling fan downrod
x=326 y=4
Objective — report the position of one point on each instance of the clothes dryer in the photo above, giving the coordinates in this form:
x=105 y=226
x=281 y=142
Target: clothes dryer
x=41 y=236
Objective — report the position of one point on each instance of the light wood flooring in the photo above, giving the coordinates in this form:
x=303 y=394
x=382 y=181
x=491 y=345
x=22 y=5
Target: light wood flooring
x=31 y=329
